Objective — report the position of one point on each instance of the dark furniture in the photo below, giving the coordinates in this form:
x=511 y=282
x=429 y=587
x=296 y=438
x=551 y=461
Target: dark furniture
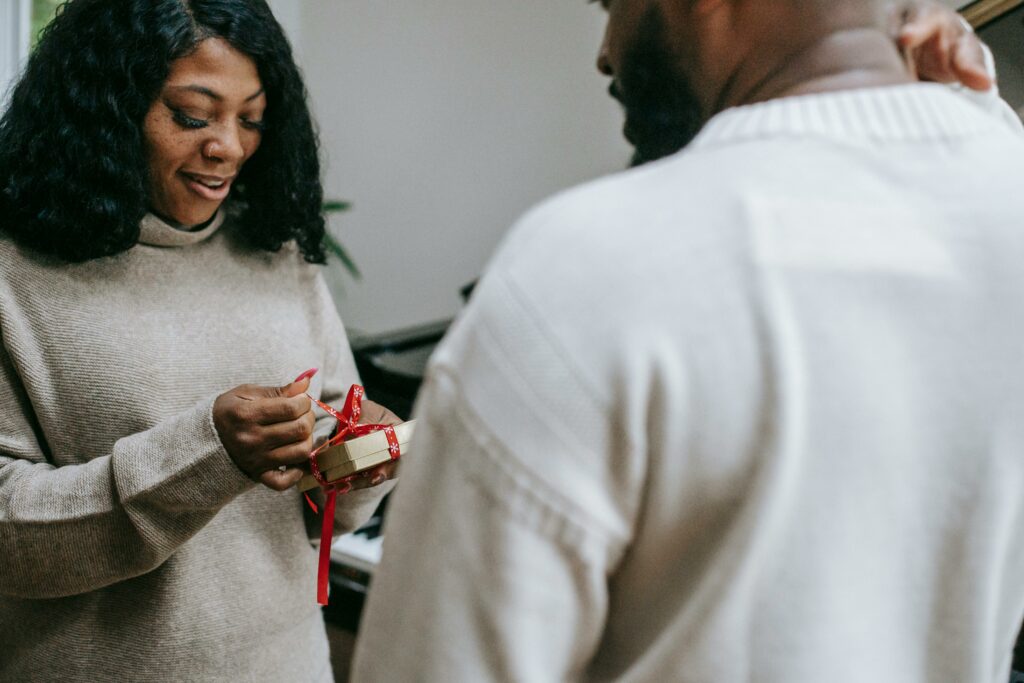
x=391 y=367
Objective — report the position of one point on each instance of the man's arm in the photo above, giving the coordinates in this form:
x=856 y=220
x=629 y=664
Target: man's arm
x=517 y=500
x=483 y=579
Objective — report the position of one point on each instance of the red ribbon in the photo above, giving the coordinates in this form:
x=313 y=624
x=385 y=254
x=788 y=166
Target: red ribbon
x=348 y=428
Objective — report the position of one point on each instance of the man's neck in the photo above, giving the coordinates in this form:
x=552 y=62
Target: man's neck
x=843 y=60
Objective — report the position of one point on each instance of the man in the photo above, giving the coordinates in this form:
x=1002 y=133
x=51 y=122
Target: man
x=752 y=412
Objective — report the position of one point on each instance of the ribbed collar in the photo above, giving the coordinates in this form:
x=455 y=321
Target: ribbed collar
x=907 y=113
x=156 y=232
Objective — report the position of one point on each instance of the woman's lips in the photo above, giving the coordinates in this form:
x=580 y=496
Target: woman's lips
x=208 y=187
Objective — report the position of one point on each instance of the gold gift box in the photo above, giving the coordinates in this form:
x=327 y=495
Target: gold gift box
x=356 y=455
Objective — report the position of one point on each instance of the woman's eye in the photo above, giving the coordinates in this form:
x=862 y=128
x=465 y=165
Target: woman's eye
x=252 y=124
x=186 y=121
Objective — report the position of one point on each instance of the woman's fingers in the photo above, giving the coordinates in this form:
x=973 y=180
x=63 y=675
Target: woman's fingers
x=284 y=409
x=292 y=454
x=281 y=480
x=375 y=413
x=287 y=433
x=375 y=476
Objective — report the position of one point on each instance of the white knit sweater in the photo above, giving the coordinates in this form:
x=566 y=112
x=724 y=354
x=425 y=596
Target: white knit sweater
x=751 y=413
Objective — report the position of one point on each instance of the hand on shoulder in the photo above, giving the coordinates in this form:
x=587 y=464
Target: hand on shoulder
x=940 y=46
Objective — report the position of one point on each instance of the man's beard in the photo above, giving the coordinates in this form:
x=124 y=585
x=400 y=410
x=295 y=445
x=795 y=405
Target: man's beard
x=663 y=114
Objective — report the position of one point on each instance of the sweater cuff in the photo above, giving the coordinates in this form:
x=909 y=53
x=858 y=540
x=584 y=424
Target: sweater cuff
x=180 y=463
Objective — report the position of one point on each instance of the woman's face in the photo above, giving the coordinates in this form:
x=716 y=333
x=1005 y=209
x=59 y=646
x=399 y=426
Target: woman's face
x=203 y=126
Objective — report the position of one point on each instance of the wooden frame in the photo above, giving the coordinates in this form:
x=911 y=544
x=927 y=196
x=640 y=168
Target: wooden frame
x=984 y=11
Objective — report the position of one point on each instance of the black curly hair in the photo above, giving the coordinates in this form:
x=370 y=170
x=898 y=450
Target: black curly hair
x=73 y=171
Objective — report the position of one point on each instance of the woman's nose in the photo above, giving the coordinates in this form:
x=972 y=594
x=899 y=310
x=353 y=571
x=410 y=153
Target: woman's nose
x=225 y=146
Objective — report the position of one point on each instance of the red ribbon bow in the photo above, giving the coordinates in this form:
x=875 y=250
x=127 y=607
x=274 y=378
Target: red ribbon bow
x=348 y=428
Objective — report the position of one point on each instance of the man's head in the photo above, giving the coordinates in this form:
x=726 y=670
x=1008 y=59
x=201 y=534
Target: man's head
x=662 y=112
x=676 y=63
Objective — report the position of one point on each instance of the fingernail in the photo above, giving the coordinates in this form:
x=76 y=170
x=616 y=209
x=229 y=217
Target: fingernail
x=307 y=374
x=378 y=480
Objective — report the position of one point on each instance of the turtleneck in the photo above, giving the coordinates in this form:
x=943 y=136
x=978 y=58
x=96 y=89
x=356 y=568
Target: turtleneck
x=156 y=232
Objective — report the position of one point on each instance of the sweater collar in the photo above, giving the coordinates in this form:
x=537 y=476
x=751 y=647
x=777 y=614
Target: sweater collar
x=907 y=113
x=156 y=232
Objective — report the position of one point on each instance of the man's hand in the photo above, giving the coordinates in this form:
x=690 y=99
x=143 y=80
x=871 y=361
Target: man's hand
x=266 y=428
x=940 y=46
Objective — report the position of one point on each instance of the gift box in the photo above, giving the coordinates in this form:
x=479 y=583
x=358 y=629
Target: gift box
x=354 y=456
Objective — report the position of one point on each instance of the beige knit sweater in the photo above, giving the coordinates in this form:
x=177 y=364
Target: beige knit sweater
x=131 y=546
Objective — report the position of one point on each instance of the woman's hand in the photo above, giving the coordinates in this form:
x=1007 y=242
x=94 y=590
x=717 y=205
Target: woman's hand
x=266 y=428
x=940 y=46
x=374 y=413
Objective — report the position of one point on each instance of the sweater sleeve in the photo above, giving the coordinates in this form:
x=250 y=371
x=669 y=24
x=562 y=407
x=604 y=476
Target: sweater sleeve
x=482 y=579
x=73 y=529
x=513 y=515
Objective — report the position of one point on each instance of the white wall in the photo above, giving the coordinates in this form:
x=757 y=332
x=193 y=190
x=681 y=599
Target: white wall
x=289 y=15
x=14 y=40
x=442 y=121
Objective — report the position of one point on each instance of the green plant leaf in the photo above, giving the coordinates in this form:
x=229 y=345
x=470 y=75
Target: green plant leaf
x=331 y=242
x=334 y=206
x=335 y=247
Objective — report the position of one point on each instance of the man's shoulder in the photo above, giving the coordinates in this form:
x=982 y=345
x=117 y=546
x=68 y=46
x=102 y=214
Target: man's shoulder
x=576 y=266
x=599 y=218
x=687 y=174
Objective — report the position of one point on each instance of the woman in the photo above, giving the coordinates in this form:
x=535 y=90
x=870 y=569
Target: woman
x=159 y=212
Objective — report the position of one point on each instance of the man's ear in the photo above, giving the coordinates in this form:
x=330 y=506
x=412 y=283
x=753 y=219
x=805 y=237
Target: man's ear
x=688 y=15
x=717 y=12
